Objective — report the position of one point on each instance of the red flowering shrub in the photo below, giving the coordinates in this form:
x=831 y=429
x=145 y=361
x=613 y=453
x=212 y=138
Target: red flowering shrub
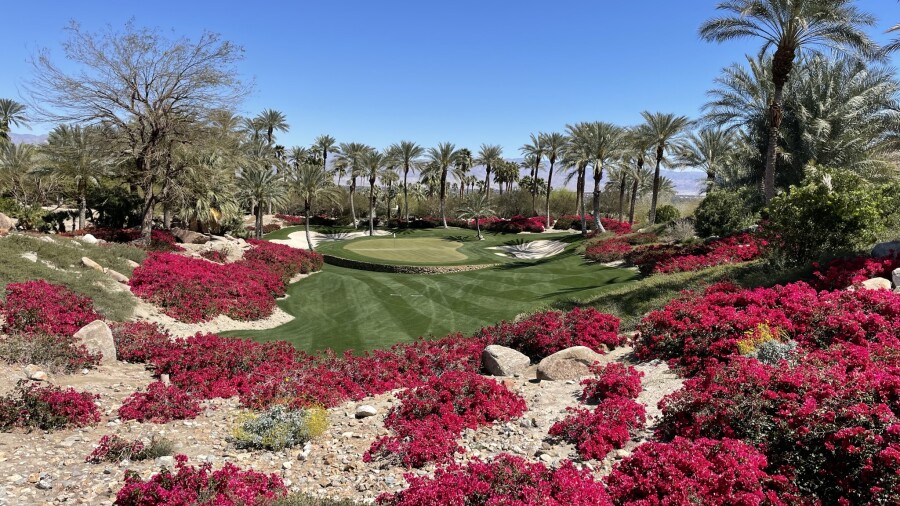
x=514 y=225
x=573 y=221
x=38 y=307
x=160 y=240
x=844 y=272
x=190 y=486
x=47 y=408
x=734 y=249
x=597 y=432
x=284 y=260
x=160 y=404
x=506 y=479
x=113 y=448
x=616 y=227
x=138 y=342
x=214 y=255
x=612 y=380
x=607 y=250
x=546 y=333
x=290 y=219
x=431 y=416
x=705 y=471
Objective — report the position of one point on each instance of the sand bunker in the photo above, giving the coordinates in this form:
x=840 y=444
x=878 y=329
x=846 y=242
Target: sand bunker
x=298 y=239
x=532 y=250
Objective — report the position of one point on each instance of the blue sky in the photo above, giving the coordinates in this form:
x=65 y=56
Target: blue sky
x=464 y=71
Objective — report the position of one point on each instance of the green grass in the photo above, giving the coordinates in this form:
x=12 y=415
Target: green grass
x=344 y=309
x=59 y=262
x=423 y=250
x=308 y=500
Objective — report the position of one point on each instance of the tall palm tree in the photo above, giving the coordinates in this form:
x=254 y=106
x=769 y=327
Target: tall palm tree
x=407 y=154
x=73 y=153
x=712 y=149
x=894 y=45
x=11 y=113
x=17 y=164
x=789 y=27
x=618 y=180
x=260 y=185
x=462 y=165
x=505 y=174
x=606 y=145
x=489 y=155
x=389 y=178
x=554 y=147
x=271 y=121
x=372 y=163
x=477 y=206
x=351 y=153
x=298 y=155
x=442 y=157
x=665 y=131
x=579 y=154
x=313 y=184
x=325 y=144
x=533 y=153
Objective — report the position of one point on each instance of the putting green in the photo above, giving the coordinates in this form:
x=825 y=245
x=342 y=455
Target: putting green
x=425 y=250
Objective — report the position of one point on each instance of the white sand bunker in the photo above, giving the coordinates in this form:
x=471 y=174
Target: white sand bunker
x=298 y=239
x=532 y=250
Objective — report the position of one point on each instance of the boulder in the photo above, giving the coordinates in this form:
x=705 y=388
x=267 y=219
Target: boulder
x=886 y=250
x=87 y=262
x=89 y=238
x=503 y=361
x=6 y=224
x=97 y=338
x=876 y=284
x=896 y=276
x=568 y=364
x=189 y=236
x=117 y=276
x=132 y=263
x=365 y=411
x=35 y=373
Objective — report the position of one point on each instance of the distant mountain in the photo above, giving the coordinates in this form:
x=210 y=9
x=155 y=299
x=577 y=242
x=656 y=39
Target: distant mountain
x=28 y=138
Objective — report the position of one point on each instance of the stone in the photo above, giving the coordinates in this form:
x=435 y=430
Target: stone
x=89 y=238
x=35 y=373
x=6 y=224
x=570 y=363
x=189 y=236
x=117 y=276
x=896 y=277
x=132 y=263
x=365 y=411
x=876 y=284
x=886 y=250
x=502 y=361
x=166 y=461
x=97 y=337
x=87 y=262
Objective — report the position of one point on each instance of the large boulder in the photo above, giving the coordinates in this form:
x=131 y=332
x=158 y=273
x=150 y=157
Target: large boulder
x=886 y=250
x=97 y=338
x=189 y=236
x=89 y=238
x=87 y=262
x=876 y=284
x=896 y=277
x=117 y=276
x=570 y=363
x=6 y=223
x=502 y=361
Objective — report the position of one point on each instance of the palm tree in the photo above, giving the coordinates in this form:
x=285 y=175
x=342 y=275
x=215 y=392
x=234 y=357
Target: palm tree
x=324 y=143
x=894 y=45
x=533 y=153
x=618 y=179
x=389 y=177
x=554 y=146
x=351 y=153
x=407 y=153
x=442 y=157
x=271 y=120
x=579 y=154
x=371 y=163
x=73 y=153
x=490 y=156
x=790 y=27
x=505 y=174
x=477 y=206
x=205 y=192
x=297 y=155
x=606 y=145
x=462 y=165
x=712 y=150
x=260 y=185
x=11 y=113
x=313 y=184
x=638 y=145
x=664 y=131
x=17 y=163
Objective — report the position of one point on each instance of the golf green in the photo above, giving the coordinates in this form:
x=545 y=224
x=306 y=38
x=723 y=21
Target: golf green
x=425 y=250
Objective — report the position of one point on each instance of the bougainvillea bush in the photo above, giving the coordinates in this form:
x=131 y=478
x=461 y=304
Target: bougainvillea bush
x=667 y=258
x=430 y=417
x=191 y=486
x=844 y=272
x=47 y=408
x=160 y=404
x=598 y=431
x=607 y=250
x=160 y=240
x=113 y=448
x=611 y=380
x=573 y=221
x=137 y=342
x=506 y=479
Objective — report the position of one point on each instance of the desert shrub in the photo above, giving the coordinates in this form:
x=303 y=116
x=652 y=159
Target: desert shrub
x=112 y=448
x=681 y=230
x=611 y=380
x=47 y=408
x=309 y=500
x=160 y=404
x=667 y=213
x=639 y=238
x=709 y=472
x=138 y=342
x=506 y=479
x=595 y=433
x=279 y=427
x=835 y=211
x=721 y=213
x=53 y=353
x=190 y=486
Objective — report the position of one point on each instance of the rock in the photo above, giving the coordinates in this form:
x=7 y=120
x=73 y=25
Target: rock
x=117 y=276
x=503 y=361
x=896 y=276
x=886 y=250
x=87 y=262
x=89 y=238
x=132 y=263
x=570 y=363
x=365 y=411
x=35 y=373
x=45 y=483
x=876 y=284
x=97 y=337
x=166 y=461
x=31 y=256
x=190 y=237
x=6 y=224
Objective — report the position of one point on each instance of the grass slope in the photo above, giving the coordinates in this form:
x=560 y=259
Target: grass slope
x=353 y=309
x=422 y=250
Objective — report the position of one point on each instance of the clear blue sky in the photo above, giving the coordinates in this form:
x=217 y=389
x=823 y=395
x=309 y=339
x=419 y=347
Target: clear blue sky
x=464 y=71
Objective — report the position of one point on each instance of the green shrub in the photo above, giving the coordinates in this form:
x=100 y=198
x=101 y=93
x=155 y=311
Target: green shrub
x=667 y=213
x=721 y=213
x=279 y=427
x=835 y=212
x=307 y=500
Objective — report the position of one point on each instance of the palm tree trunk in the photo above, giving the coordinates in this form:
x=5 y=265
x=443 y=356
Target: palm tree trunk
x=487 y=180
x=259 y=221
x=371 y=207
x=622 y=185
x=582 y=176
x=478 y=228
x=598 y=175
x=406 y=194
x=549 y=182
x=634 y=190
x=653 y=199
x=775 y=117
x=443 y=196
x=309 y=243
x=82 y=208
x=352 y=207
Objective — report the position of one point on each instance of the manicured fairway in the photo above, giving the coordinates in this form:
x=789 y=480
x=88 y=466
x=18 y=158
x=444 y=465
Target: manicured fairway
x=425 y=250
x=343 y=309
